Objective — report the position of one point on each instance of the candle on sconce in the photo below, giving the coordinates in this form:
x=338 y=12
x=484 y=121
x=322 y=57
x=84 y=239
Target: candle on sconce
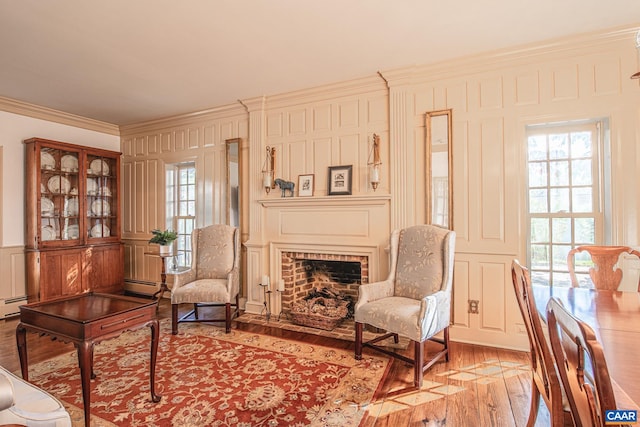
x=280 y=285
x=265 y=280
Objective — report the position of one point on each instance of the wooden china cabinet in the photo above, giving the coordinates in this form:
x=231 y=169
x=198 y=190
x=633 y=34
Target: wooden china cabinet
x=73 y=243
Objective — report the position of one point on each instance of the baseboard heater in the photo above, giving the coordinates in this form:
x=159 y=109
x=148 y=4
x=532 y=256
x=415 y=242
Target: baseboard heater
x=15 y=302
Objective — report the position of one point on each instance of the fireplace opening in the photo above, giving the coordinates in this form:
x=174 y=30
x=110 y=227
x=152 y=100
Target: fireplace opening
x=321 y=282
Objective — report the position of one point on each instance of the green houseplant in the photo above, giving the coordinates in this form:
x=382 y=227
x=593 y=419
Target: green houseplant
x=164 y=239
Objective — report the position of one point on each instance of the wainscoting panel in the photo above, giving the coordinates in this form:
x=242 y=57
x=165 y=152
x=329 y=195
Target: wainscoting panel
x=13 y=291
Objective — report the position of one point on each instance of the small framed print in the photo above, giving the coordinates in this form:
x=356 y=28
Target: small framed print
x=340 y=180
x=305 y=185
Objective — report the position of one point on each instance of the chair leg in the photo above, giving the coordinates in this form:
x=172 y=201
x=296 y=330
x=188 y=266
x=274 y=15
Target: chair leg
x=195 y=310
x=358 y=350
x=446 y=343
x=535 y=402
x=174 y=319
x=418 y=363
x=227 y=322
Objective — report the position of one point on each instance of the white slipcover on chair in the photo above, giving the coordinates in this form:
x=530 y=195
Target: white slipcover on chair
x=415 y=300
x=213 y=279
x=25 y=404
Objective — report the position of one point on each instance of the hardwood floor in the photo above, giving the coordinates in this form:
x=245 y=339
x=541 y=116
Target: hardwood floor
x=479 y=386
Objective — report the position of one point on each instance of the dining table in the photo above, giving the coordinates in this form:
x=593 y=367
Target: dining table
x=615 y=318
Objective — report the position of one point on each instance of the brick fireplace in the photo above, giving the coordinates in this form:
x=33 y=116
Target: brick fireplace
x=301 y=272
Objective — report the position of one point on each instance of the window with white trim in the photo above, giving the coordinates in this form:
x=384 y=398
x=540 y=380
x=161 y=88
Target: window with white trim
x=181 y=208
x=565 y=202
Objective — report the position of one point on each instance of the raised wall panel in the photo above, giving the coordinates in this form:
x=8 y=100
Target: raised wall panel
x=179 y=140
x=139 y=144
x=493 y=180
x=139 y=210
x=349 y=153
x=565 y=83
x=461 y=297
x=194 y=138
x=338 y=223
x=227 y=130
x=153 y=145
x=297 y=122
x=322 y=118
x=491 y=97
x=209 y=136
x=440 y=98
x=606 y=79
x=348 y=114
x=154 y=194
x=493 y=301
x=208 y=180
x=461 y=180
x=423 y=102
x=127 y=146
x=527 y=88
x=127 y=199
x=165 y=142
x=274 y=125
x=297 y=160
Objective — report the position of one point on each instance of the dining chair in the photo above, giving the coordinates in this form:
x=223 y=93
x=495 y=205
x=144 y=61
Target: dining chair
x=582 y=366
x=213 y=279
x=604 y=273
x=544 y=377
x=415 y=299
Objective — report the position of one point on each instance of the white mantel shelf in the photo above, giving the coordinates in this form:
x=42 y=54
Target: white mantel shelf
x=367 y=200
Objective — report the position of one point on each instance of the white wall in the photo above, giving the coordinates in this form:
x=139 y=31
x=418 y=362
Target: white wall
x=14 y=129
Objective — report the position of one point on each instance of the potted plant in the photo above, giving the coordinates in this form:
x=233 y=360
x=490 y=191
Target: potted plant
x=164 y=239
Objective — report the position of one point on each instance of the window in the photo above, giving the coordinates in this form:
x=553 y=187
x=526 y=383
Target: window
x=181 y=208
x=565 y=196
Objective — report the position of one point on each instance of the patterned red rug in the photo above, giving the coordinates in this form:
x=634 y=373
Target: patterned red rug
x=209 y=378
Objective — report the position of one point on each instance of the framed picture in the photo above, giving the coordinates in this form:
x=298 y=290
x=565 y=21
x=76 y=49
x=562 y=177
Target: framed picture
x=339 y=180
x=305 y=185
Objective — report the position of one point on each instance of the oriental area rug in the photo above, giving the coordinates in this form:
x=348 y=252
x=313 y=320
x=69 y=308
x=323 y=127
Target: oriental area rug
x=209 y=378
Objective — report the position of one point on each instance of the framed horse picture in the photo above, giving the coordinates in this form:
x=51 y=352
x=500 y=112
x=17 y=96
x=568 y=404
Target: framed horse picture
x=339 y=180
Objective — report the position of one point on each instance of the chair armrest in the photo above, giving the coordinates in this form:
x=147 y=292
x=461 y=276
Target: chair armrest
x=374 y=291
x=435 y=313
x=6 y=393
x=183 y=277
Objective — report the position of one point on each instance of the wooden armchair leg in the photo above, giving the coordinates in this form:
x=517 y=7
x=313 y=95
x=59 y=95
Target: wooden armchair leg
x=418 y=363
x=358 y=350
x=227 y=323
x=446 y=343
x=174 y=319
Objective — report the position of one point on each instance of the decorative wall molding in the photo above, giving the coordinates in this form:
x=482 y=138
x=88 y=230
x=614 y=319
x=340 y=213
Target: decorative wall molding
x=284 y=202
x=43 y=113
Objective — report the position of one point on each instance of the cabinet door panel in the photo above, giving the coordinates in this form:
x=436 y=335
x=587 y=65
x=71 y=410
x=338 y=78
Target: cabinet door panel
x=104 y=268
x=61 y=274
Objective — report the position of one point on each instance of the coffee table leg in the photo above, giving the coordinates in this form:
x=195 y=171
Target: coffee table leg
x=85 y=350
x=155 y=333
x=21 y=340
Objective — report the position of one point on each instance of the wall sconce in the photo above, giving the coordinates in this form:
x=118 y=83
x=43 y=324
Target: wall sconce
x=267 y=170
x=374 y=163
x=637 y=75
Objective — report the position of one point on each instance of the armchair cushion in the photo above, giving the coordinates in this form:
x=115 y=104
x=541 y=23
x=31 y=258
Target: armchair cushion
x=202 y=291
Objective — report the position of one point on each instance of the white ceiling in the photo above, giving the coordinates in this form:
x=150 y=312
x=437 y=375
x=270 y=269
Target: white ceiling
x=127 y=61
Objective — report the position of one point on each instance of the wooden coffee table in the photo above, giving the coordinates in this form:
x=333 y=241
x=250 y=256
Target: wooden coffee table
x=86 y=320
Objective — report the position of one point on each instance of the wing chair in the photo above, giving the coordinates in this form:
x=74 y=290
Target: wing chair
x=213 y=279
x=415 y=299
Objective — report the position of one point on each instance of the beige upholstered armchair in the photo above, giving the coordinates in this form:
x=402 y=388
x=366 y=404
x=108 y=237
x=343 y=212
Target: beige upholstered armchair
x=213 y=279
x=415 y=300
x=22 y=403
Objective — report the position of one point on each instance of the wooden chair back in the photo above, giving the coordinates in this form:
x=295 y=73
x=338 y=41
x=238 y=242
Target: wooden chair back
x=603 y=274
x=582 y=366
x=545 y=381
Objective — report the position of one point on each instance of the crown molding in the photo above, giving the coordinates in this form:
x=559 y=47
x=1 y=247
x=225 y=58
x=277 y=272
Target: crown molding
x=194 y=117
x=43 y=113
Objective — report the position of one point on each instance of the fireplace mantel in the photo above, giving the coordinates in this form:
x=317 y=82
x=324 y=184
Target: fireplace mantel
x=283 y=202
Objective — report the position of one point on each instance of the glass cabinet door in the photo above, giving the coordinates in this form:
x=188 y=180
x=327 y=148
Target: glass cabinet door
x=58 y=196
x=101 y=197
